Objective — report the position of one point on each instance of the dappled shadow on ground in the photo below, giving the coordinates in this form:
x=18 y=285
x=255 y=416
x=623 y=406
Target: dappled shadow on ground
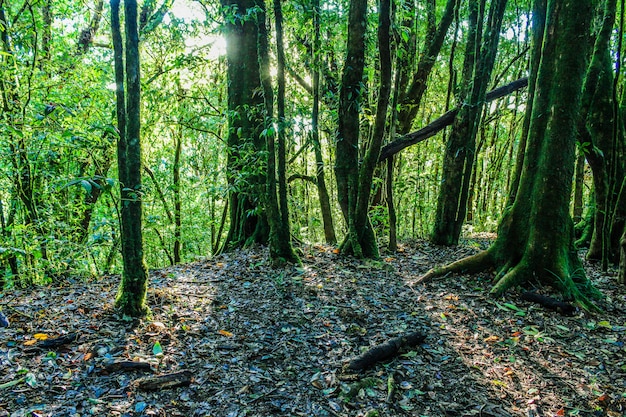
x=261 y=341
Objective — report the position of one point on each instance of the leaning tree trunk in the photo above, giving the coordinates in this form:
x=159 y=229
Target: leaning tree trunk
x=131 y=296
x=245 y=170
x=535 y=236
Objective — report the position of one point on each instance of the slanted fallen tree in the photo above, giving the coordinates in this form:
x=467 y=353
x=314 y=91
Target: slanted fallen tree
x=443 y=121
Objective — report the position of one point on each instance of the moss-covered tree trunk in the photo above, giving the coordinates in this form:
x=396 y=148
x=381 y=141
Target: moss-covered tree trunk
x=459 y=155
x=535 y=236
x=246 y=165
x=131 y=296
x=354 y=179
x=596 y=136
x=275 y=199
x=362 y=243
x=322 y=191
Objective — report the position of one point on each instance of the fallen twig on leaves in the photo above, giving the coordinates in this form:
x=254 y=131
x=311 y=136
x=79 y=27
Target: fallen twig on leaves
x=385 y=351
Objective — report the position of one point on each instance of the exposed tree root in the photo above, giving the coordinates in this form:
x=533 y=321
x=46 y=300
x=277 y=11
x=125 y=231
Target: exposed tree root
x=511 y=274
x=474 y=263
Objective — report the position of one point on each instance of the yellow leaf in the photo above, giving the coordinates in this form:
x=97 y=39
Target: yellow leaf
x=492 y=339
x=225 y=333
x=40 y=336
x=30 y=342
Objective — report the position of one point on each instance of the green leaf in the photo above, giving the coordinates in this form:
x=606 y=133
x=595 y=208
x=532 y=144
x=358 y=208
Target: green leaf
x=512 y=306
x=31 y=380
x=157 y=349
x=86 y=185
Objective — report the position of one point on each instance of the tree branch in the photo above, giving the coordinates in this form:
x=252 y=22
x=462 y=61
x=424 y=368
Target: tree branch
x=443 y=121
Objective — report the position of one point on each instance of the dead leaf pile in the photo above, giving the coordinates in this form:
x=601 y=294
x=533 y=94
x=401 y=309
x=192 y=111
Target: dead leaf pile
x=232 y=336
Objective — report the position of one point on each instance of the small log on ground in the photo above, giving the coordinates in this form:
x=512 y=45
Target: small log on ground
x=126 y=366
x=58 y=341
x=550 y=303
x=385 y=351
x=176 y=379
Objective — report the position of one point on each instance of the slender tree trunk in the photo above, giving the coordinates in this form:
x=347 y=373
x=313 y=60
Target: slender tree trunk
x=595 y=134
x=621 y=276
x=131 y=296
x=347 y=147
x=281 y=250
x=177 y=200
x=411 y=98
x=579 y=184
x=322 y=191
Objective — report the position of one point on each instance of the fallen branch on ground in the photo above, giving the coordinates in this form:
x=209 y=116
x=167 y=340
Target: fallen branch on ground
x=176 y=379
x=385 y=351
x=550 y=303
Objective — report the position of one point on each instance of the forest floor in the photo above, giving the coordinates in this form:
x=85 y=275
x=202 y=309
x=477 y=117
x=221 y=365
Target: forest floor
x=257 y=341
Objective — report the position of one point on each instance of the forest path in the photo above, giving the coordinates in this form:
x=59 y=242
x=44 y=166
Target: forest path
x=273 y=342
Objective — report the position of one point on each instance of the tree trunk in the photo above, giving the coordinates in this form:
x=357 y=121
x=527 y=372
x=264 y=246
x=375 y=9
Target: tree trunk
x=131 y=296
x=347 y=147
x=535 y=236
x=411 y=98
x=354 y=180
x=277 y=213
x=595 y=135
x=245 y=170
x=177 y=201
x=579 y=184
x=621 y=276
x=322 y=192
x=459 y=156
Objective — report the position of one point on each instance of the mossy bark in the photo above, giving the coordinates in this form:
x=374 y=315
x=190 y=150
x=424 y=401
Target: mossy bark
x=131 y=295
x=596 y=135
x=460 y=149
x=360 y=242
x=277 y=214
x=246 y=160
x=535 y=236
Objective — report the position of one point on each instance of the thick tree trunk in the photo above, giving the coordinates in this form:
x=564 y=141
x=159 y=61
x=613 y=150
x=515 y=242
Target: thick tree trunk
x=245 y=171
x=535 y=237
x=131 y=294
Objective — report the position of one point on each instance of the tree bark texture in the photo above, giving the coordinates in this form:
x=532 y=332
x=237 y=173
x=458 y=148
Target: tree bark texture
x=411 y=98
x=535 y=236
x=322 y=190
x=246 y=170
x=459 y=155
x=131 y=294
x=275 y=204
x=595 y=136
x=347 y=147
